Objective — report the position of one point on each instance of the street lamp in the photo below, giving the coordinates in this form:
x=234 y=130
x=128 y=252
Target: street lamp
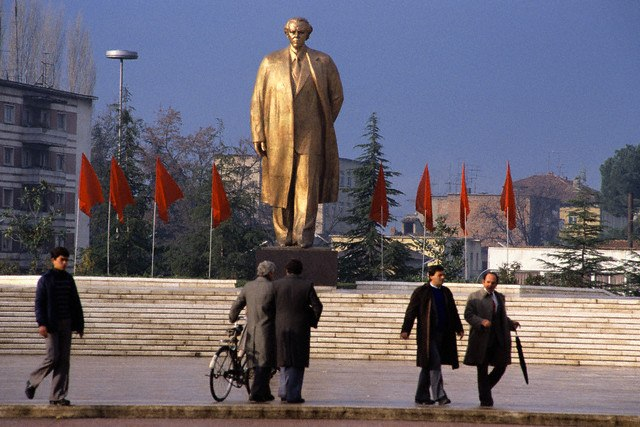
x=121 y=55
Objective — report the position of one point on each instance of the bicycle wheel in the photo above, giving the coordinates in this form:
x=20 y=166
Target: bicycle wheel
x=247 y=374
x=219 y=379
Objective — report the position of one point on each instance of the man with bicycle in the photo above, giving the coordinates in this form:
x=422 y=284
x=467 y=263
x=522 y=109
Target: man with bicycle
x=259 y=298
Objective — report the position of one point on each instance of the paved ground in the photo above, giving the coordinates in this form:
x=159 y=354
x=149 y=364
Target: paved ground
x=354 y=389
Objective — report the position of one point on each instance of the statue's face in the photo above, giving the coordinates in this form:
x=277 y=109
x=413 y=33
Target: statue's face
x=298 y=33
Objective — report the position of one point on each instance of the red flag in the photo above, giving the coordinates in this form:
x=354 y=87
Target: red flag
x=89 y=190
x=167 y=191
x=423 y=199
x=119 y=191
x=508 y=200
x=220 y=209
x=465 y=210
x=379 y=205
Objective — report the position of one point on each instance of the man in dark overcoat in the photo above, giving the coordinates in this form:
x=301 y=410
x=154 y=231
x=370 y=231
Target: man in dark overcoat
x=298 y=308
x=490 y=336
x=259 y=298
x=438 y=323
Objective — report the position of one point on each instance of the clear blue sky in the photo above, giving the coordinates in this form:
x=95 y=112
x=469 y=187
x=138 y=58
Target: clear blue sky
x=548 y=85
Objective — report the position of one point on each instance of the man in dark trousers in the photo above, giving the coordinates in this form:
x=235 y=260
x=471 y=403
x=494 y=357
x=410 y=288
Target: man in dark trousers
x=438 y=323
x=298 y=308
x=58 y=313
x=490 y=336
x=260 y=347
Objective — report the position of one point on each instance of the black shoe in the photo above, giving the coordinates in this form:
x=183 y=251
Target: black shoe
x=30 y=391
x=301 y=400
x=269 y=398
x=424 y=402
x=486 y=404
x=283 y=399
x=444 y=400
x=60 y=402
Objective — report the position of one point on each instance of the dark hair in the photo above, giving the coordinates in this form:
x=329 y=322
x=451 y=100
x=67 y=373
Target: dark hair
x=486 y=273
x=433 y=269
x=56 y=252
x=294 y=266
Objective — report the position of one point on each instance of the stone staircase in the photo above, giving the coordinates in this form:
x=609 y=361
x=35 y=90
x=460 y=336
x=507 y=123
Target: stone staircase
x=164 y=317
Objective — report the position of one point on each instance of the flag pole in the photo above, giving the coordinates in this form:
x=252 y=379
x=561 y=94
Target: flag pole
x=210 y=240
x=424 y=244
x=382 y=245
x=108 y=228
x=507 y=267
x=466 y=275
x=75 y=245
x=153 y=239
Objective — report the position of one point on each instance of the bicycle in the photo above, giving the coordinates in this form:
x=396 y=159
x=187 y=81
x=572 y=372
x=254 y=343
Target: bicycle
x=229 y=365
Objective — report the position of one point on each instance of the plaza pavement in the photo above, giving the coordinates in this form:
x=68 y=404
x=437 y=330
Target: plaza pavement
x=178 y=388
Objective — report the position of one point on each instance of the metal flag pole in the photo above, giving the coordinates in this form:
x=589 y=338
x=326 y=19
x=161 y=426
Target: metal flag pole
x=466 y=273
x=382 y=245
x=210 y=241
x=108 y=228
x=507 y=266
x=153 y=239
x=424 y=243
x=75 y=245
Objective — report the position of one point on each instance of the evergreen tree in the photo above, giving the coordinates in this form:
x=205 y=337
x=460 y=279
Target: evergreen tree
x=361 y=255
x=579 y=258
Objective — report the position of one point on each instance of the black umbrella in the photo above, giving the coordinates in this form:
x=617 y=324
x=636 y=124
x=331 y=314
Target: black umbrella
x=523 y=364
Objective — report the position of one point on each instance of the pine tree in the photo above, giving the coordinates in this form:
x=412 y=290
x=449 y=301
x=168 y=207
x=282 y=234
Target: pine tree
x=361 y=256
x=444 y=248
x=579 y=259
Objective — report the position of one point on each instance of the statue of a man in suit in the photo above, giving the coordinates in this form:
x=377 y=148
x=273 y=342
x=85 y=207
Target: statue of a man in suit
x=296 y=99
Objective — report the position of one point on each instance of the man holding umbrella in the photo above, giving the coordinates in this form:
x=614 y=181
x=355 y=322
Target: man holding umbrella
x=490 y=336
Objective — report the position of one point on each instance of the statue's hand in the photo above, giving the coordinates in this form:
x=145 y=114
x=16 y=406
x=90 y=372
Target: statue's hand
x=261 y=148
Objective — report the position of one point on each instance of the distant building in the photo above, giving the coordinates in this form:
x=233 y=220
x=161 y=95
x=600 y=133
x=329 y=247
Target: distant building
x=43 y=133
x=330 y=215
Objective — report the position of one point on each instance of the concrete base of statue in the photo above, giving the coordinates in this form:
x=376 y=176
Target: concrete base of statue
x=319 y=265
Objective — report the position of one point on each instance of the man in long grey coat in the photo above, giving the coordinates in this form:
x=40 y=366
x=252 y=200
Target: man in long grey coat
x=490 y=336
x=259 y=298
x=298 y=308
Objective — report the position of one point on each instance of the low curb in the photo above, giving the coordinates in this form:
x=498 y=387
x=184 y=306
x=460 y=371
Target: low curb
x=257 y=411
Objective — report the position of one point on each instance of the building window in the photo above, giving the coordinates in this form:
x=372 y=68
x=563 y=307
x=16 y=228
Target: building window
x=59 y=240
x=36 y=159
x=45 y=119
x=9 y=114
x=62 y=121
x=6 y=244
x=7 y=198
x=59 y=162
x=8 y=156
x=572 y=219
x=58 y=202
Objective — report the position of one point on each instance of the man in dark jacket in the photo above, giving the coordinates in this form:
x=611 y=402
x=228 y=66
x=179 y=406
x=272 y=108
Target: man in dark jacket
x=490 y=336
x=58 y=313
x=297 y=310
x=260 y=347
x=438 y=323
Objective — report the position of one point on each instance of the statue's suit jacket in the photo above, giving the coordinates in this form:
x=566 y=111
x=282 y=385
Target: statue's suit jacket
x=272 y=122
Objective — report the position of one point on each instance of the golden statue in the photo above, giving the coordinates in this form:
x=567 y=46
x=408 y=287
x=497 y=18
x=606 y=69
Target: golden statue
x=296 y=99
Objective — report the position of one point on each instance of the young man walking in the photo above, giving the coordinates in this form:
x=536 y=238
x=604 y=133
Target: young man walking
x=58 y=313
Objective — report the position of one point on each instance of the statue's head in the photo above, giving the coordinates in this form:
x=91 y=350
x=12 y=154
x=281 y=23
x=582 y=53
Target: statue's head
x=298 y=31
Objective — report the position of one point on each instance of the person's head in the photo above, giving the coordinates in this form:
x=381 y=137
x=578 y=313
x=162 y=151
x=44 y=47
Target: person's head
x=297 y=31
x=294 y=267
x=436 y=275
x=59 y=258
x=266 y=269
x=490 y=281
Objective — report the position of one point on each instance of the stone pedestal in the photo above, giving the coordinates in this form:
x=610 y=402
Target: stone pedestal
x=319 y=265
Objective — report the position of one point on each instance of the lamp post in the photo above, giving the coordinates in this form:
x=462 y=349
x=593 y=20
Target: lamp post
x=121 y=55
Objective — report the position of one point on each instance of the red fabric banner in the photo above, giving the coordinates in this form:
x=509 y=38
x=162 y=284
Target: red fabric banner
x=167 y=191
x=119 y=191
x=220 y=209
x=465 y=209
x=89 y=189
x=508 y=200
x=423 y=199
x=379 y=205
